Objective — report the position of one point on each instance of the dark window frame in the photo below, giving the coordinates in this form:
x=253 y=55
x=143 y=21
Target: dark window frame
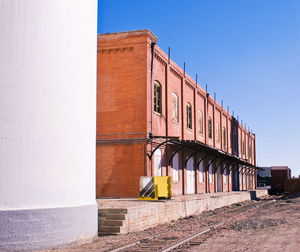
x=157 y=97
x=189 y=116
x=224 y=138
x=209 y=128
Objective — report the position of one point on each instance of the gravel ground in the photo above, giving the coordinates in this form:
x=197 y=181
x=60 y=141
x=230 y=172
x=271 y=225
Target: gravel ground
x=267 y=225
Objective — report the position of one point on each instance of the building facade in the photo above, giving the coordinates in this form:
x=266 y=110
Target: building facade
x=155 y=120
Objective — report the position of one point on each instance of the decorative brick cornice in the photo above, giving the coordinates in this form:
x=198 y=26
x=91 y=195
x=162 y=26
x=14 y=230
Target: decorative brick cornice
x=115 y=50
x=120 y=35
x=160 y=59
x=173 y=71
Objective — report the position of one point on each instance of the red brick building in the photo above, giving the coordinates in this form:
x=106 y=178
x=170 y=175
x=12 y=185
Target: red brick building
x=153 y=119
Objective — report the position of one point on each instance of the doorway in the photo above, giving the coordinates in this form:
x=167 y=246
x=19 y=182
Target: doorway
x=190 y=176
x=157 y=163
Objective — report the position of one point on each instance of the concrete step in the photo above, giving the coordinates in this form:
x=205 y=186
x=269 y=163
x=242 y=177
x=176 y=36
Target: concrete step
x=118 y=211
x=103 y=212
x=110 y=223
x=109 y=230
x=115 y=216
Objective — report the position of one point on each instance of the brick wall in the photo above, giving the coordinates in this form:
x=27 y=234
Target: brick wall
x=126 y=66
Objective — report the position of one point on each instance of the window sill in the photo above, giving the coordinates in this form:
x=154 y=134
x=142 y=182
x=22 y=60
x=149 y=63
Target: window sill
x=189 y=129
x=159 y=114
x=175 y=122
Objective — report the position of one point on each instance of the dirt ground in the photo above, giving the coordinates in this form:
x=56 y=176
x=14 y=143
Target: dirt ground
x=267 y=226
x=272 y=228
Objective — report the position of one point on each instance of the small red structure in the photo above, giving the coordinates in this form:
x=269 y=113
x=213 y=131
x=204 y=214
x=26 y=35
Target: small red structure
x=278 y=175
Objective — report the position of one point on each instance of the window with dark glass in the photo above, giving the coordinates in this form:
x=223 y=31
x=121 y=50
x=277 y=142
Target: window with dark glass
x=209 y=128
x=224 y=137
x=189 y=115
x=157 y=97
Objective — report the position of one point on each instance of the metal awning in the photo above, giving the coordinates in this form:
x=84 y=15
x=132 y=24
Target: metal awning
x=199 y=147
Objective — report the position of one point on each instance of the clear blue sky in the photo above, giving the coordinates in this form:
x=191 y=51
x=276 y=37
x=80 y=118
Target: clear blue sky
x=248 y=51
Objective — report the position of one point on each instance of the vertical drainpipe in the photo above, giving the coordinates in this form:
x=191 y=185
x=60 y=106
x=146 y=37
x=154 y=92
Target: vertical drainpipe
x=195 y=137
x=151 y=95
x=182 y=134
x=205 y=140
x=221 y=128
x=166 y=109
x=214 y=139
x=254 y=152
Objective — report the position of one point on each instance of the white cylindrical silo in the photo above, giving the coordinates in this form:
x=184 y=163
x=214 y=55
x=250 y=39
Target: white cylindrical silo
x=47 y=122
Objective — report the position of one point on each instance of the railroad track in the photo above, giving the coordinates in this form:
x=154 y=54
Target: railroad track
x=182 y=237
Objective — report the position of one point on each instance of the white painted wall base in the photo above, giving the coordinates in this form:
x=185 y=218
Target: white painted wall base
x=27 y=230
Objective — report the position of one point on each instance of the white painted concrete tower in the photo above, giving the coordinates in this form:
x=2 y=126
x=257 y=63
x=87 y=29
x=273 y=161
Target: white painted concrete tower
x=47 y=122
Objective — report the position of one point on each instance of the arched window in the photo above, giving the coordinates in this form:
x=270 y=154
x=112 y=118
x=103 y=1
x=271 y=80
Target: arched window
x=209 y=128
x=217 y=132
x=200 y=118
x=157 y=97
x=189 y=115
x=224 y=138
x=175 y=107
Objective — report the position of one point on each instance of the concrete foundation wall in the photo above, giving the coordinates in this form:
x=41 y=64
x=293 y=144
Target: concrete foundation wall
x=156 y=213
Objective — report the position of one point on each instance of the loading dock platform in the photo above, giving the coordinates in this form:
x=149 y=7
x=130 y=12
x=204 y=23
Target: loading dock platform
x=131 y=215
